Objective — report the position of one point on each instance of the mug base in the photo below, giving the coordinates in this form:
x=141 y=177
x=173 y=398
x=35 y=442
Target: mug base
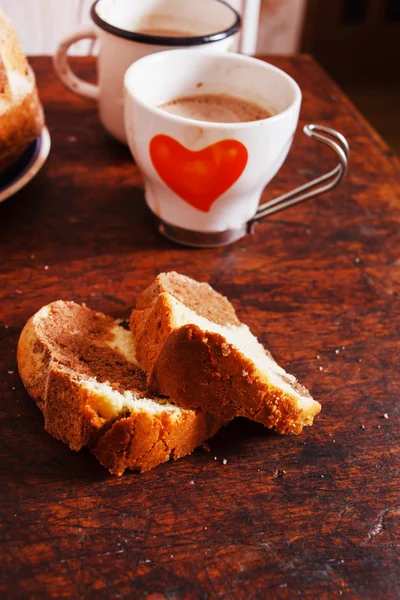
x=201 y=239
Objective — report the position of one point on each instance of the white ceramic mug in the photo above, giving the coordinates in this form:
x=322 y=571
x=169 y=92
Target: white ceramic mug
x=234 y=161
x=210 y=25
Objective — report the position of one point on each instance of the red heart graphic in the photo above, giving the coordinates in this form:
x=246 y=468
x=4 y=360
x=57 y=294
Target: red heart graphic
x=200 y=177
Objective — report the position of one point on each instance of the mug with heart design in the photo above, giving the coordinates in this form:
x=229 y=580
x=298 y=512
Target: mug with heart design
x=128 y=30
x=209 y=132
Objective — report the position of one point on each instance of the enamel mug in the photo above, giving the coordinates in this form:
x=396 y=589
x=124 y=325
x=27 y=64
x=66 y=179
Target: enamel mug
x=128 y=30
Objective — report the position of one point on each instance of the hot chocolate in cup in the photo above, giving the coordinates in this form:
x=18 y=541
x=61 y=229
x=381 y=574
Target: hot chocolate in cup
x=216 y=108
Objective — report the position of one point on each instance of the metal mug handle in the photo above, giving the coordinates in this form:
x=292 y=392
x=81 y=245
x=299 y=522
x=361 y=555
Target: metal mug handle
x=316 y=187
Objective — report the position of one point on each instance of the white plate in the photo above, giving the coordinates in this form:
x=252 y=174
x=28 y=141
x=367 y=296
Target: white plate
x=25 y=168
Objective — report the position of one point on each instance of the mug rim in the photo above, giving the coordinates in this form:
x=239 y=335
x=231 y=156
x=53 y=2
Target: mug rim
x=160 y=40
x=212 y=124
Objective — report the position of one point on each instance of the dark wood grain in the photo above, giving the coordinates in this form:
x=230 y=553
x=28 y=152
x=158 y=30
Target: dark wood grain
x=315 y=516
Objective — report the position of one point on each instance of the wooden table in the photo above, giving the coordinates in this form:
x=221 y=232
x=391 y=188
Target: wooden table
x=267 y=516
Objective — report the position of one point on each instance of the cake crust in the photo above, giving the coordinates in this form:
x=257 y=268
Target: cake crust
x=21 y=113
x=201 y=369
x=65 y=345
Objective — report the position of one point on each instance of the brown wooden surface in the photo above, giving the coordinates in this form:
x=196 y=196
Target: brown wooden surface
x=315 y=516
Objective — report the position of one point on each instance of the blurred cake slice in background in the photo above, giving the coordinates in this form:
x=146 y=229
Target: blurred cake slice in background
x=21 y=113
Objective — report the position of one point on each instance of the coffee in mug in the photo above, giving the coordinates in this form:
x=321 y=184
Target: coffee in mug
x=164 y=32
x=216 y=108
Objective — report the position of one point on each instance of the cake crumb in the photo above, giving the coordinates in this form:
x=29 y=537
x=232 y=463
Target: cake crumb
x=318 y=356
x=13 y=388
x=279 y=473
x=362 y=426
x=32 y=256
x=18 y=291
x=225 y=349
x=245 y=374
x=46 y=267
x=321 y=368
x=224 y=462
x=343 y=347
x=205 y=527
x=72 y=139
x=10 y=372
x=192 y=482
x=385 y=416
x=357 y=259
x=337 y=351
